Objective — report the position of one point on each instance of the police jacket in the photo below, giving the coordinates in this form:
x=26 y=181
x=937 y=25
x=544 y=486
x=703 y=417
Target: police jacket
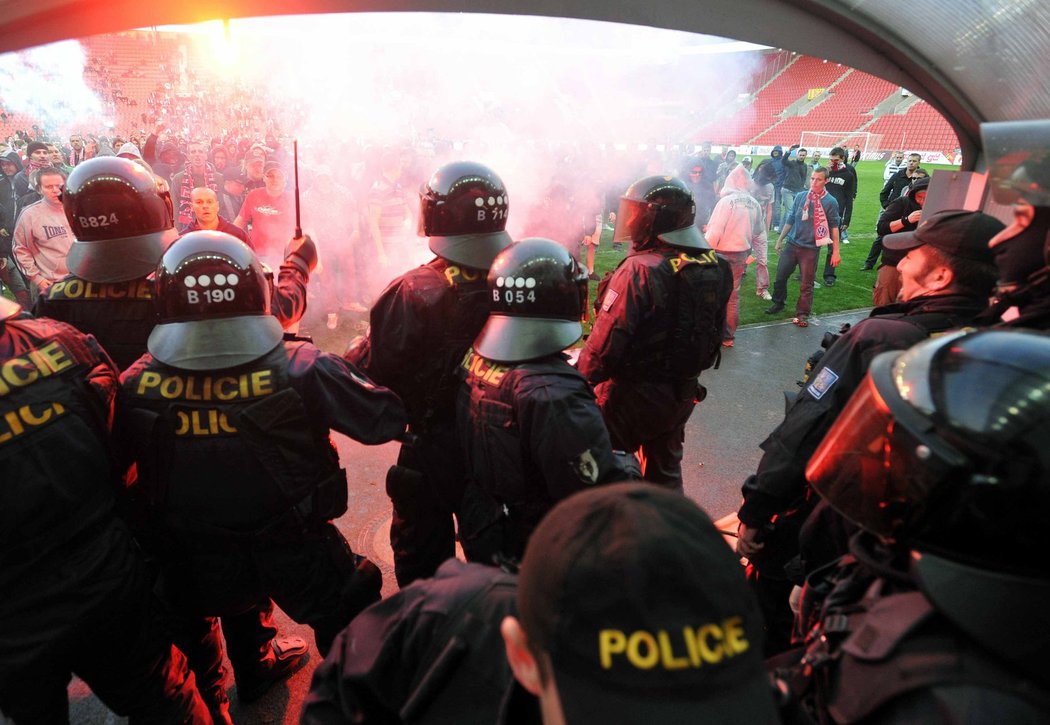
x=121 y=315
x=880 y=649
x=660 y=317
x=419 y=330
x=432 y=654
x=237 y=449
x=780 y=480
x=56 y=395
x=532 y=434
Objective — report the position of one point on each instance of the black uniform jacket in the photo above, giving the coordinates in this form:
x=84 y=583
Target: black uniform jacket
x=780 y=479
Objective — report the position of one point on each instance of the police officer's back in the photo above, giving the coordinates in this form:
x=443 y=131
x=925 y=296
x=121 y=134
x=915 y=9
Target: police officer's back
x=938 y=614
x=420 y=328
x=528 y=422
x=229 y=428
x=659 y=324
x=76 y=596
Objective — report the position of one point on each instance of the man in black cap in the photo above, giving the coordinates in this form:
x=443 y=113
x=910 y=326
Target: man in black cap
x=633 y=610
x=947 y=275
x=630 y=609
x=900 y=215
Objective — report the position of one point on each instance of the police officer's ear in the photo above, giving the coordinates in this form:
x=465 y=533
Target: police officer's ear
x=522 y=662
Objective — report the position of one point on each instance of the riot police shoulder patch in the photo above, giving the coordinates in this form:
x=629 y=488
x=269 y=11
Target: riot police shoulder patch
x=825 y=379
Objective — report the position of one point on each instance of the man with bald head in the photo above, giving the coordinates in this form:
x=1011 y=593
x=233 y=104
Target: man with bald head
x=205 y=204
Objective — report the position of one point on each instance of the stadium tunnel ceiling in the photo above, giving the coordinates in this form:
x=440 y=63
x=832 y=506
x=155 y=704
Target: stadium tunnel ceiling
x=973 y=60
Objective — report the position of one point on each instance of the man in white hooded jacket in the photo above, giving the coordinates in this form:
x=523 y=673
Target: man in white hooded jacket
x=737 y=231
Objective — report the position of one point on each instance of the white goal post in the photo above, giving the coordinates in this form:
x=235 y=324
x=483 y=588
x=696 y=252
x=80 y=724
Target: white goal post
x=824 y=141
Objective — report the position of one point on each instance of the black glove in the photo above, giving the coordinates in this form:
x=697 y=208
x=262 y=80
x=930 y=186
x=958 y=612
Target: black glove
x=302 y=252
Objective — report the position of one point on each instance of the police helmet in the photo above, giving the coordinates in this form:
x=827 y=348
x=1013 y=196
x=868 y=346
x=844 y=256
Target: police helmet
x=658 y=207
x=213 y=301
x=537 y=296
x=943 y=449
x=463 y=210
x=121 y=217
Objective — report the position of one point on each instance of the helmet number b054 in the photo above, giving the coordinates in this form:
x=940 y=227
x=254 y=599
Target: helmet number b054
x=211 y=295
x=514 y=296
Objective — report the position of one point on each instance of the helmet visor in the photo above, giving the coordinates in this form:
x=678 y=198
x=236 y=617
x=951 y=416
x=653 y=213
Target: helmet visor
x=870 y=466
x=630 y=220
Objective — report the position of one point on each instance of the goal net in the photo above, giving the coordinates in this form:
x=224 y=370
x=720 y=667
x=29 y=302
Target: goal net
x=870 y=143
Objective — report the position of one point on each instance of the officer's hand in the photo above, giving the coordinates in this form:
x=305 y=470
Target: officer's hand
x=836 y=258
x=302 y=252
x=745 y=542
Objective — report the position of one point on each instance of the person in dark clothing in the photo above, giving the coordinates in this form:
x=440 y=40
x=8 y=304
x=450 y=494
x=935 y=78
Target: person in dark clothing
x=659 y=323
x=902 y=215
x=947 y=275
x=776 y=162
x=938 y=614
x=1022 y=250
x=420 y=328
x=842 y=184
x=228 y=428
x=432 y=653
x=528 y=423
x=77 y=594
x=10 y=165
x=609 y=573
x=900 y=180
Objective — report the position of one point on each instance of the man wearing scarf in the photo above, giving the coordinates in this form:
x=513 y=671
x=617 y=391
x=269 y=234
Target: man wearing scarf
x=813 y=223
x=37 y=157
x=198 y=172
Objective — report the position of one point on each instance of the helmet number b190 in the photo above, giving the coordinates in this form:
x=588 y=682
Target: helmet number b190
x=211 y=295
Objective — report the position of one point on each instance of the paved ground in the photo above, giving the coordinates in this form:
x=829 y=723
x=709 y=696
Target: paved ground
x=745 y=402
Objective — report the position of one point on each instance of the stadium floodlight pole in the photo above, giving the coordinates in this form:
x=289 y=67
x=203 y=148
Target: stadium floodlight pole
x=295 y=166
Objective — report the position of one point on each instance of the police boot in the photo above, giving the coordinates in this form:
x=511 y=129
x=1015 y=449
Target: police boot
x=285 y=657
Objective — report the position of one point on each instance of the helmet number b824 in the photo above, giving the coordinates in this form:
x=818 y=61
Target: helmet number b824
x=100 y=220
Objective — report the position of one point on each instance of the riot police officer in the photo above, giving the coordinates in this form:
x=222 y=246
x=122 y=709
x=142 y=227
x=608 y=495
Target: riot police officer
x=939 y=614
x=229 y=427
x=76 y=595
x=420 y=328
x=530 y=428
x=659 y=324
x=121 y=216
x=1021 y=250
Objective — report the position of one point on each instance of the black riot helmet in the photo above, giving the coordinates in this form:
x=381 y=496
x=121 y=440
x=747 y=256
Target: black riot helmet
x=658 y=207
x=943 y=449
x=213 y=300
x=538 y=292
x=121 y=217
x=943 y=452
x=463 y=209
